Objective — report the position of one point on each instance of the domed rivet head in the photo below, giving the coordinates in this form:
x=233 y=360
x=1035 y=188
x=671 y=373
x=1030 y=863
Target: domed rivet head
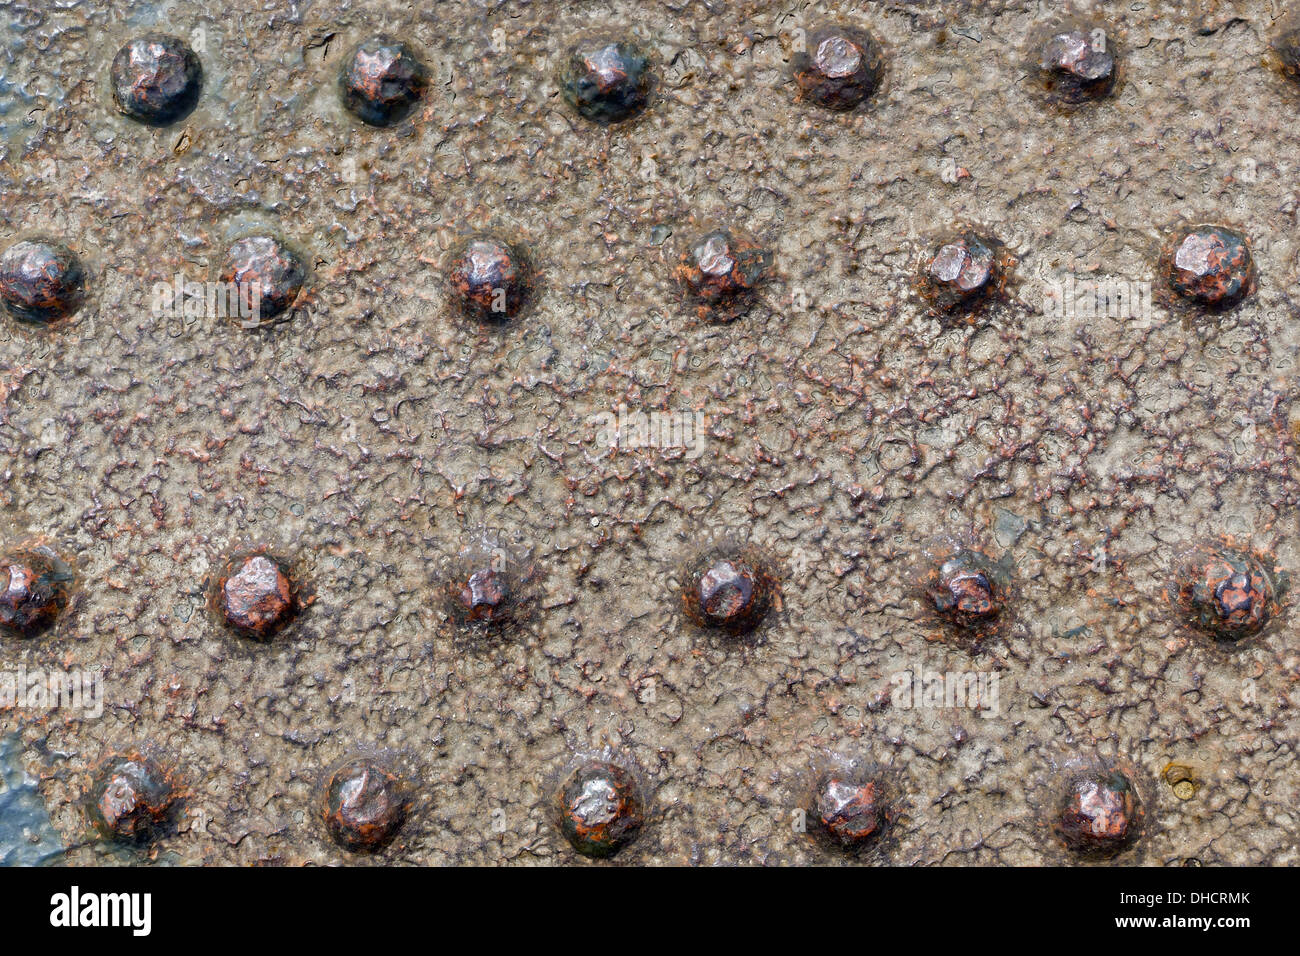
x=256 y=595
x=601 y=808
x=364 y=806
x=41 y=281
x=382 y=81
x=131 y=799
x=35 y=585
x=156 y=79
x=729 y=589
x=963 y=273
x=490 y=280
x=606 y=80
x=266 y=276
x=1210 y=266
x=720 y=273
x=1099 y=813
x=1224 y=592
x=1078 y=65
x=848 y=811
x=841 y=68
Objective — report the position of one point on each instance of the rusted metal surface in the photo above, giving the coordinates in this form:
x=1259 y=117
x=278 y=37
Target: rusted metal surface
x=377 y=433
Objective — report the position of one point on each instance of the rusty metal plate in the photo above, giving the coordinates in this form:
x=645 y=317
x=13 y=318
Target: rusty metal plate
x=600 y=440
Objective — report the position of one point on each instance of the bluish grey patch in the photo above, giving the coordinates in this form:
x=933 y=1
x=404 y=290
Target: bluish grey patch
x=1009 y=527
x=27 y=837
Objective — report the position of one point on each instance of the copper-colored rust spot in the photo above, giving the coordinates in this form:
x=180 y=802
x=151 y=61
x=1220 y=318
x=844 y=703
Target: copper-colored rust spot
x=1286 y=51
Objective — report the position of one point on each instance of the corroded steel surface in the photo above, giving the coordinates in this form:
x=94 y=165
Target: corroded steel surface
x=378 y=432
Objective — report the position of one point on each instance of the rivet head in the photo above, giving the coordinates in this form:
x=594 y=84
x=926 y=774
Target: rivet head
x=1211 y=266
x=841 y=68
x=35 y=585
x=720 y=273
x=1286 y=52
x=849 y=811
x=964 y=590
x=365 y=805
x=606 y=80
x=41 y=281
x=963 y=273
x=1224 y=592
x=729 y=589
x=256 y=596
x=267 y=276
x=1099 y=813
x=382 y=81
x=490 y=280
x=131 y=799
x=157 y=79
x=1079 y=65
x=601 y=808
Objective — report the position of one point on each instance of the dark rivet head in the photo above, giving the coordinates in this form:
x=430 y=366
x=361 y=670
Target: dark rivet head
x=601 y=808
x=964 y=590
x=256 y=596
x=729 y=590
x=491 y=280
x=382 y=81
x=850 y=812
x=962 y=273
x=720 y=272
x=1079 y=65
x=131 y=799
x=41 y=281
x=1224 y=592
x=1211 y=266
x=1099 y=814
x=606 y=80
x=267 y=276
x=843 y=68
x=34 y=589
x=157 y=79
x=488 y=588
x=365 y=806
x=484 y=595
